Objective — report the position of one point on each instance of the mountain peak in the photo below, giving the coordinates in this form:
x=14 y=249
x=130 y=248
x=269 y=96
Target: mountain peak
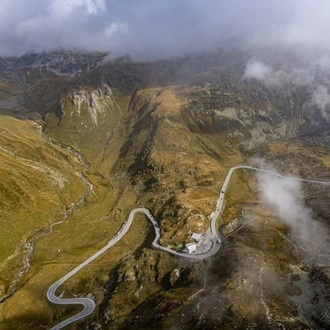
x=73 y=63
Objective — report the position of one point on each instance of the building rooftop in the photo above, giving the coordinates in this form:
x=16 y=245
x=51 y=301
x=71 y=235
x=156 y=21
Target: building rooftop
x=196 y=237
x=189 y=248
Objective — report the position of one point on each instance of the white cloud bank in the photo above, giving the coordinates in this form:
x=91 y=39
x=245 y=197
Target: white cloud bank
x=152 y=29
x=294 y=75
x=285 y=197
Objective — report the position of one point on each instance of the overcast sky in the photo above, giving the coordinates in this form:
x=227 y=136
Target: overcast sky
x=152 y=29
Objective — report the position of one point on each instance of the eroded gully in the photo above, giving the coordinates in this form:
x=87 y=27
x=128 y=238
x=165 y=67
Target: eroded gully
x=30 y=242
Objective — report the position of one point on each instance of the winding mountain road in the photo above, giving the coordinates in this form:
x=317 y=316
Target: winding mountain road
x=89 y=304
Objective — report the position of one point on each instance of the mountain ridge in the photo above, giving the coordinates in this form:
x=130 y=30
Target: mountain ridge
x=160 y=135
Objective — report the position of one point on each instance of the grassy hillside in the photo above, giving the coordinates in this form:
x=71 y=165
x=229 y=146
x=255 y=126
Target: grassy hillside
x=39 y=181
x=105 y=147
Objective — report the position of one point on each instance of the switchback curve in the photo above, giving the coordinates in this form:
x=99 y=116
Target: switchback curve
x=89 y=304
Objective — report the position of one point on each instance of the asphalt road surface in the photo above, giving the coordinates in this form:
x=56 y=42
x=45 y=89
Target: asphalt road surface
x=89 y=304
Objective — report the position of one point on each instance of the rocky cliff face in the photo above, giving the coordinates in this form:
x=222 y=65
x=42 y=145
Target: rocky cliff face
x=96 y=102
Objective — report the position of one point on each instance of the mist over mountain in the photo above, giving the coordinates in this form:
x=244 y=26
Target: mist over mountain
x=109 y=106
x=149 y=30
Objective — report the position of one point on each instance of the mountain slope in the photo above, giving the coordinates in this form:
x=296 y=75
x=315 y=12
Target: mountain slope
x=89 y=146
x=36 y=189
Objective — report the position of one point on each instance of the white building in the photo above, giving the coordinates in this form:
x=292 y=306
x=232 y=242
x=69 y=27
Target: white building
x=189 y=248
x=196 y=237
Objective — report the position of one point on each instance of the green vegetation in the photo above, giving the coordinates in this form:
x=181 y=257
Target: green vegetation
x=106 y=148
x=36 y=187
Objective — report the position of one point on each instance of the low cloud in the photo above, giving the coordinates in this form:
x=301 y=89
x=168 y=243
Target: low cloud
x=294 y=76
x=152 y=29
x=258 y=70
x=321 y=99
x=285 y=196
